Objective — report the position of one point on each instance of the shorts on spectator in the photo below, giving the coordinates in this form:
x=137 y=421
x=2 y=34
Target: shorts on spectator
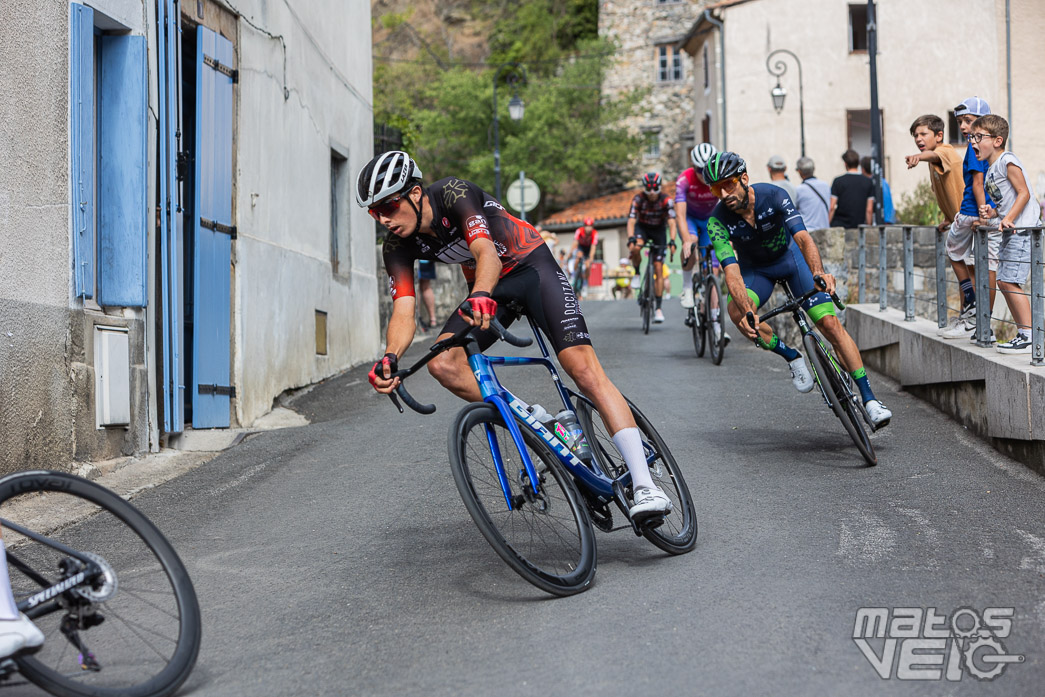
x=425 y=269
x=960 y=241
x=1014 y=255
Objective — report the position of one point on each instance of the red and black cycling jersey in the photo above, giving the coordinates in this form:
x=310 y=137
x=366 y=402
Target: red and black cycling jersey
x=653 y=213
x=461 y=213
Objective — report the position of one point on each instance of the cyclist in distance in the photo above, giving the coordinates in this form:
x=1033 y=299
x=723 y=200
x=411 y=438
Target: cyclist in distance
x=760 y=239
x=694 y=202
x=504 y=259
x=650 y=212
x=584 y=239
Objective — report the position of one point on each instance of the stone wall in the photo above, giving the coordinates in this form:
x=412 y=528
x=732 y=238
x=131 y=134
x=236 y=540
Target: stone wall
x=639 y=26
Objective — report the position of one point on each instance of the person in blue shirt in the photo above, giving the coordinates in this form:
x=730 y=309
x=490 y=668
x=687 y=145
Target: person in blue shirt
x=760 y=239
x=888 y=212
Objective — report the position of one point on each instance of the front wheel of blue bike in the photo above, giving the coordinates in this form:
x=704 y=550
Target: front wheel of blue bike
x=545 y=535
x=678 y=533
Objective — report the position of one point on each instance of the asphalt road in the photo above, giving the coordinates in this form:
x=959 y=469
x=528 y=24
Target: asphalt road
x=338 y=559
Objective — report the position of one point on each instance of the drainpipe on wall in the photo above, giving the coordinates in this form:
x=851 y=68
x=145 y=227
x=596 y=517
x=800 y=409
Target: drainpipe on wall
x=1008 y=69
x=722 y=68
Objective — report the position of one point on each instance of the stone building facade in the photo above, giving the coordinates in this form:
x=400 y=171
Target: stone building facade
x=647 y=33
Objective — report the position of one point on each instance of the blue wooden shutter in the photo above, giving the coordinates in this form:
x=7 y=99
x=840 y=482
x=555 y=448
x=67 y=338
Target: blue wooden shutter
x=122 y=172
x=211 y=350
x=171 y=253
x=81 y=134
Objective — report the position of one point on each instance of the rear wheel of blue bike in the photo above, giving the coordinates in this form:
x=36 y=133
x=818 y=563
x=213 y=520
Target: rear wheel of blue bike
x=838 y=389
x=126 y=622
x=678 y=533
x=545 y=536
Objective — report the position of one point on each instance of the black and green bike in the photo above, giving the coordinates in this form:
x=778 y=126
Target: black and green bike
x=835 y=383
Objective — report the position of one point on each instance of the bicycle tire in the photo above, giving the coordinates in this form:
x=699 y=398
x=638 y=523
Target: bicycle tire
x=518 y=535
x=98 y=521
x=838 y=397
x=718 y=344
x=699 y=325
x=578 y=277
x=678 y=533
x=647 y=298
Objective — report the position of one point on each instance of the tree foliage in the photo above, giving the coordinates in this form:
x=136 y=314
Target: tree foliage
x=570 y=137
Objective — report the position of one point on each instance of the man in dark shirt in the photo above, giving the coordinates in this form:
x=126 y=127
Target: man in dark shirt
x=852 y=195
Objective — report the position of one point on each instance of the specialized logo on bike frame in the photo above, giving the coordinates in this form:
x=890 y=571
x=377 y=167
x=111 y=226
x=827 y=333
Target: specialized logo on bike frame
x=453 y=191
x=932 y=645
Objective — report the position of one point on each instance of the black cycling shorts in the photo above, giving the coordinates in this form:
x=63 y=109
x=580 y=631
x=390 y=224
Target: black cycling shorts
x=655 y=236
x=542 y=289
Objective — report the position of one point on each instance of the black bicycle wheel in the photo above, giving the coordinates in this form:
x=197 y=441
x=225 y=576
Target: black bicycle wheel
x=547 y=538
x=698 y=325
x=839 y=396
x=647 y=299
x=139 y=622
x=678 y=533
x=716 y=320
x=578 y=276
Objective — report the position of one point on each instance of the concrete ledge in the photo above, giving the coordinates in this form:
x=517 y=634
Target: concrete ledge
x=1000 y=397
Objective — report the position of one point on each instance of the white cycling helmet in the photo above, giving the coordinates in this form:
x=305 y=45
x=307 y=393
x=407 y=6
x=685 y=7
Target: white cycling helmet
x=701 y=154
x=387 y=174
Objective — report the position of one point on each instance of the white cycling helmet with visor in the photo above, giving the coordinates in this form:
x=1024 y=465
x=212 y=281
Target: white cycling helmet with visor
x=386 y=175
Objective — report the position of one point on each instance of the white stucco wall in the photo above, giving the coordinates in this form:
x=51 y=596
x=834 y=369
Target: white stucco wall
x=282 y=259
x=924 y=66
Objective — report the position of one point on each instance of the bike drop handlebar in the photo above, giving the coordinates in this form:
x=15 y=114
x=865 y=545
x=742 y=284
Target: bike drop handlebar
x=462 y=337
x=792 y=304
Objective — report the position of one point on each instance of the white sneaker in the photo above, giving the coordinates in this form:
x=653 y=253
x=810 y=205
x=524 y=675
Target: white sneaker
x=1017 y=344
x=649 y=502
x=635 y=282
x=962 y=329
x=19 y=634
x=951 y=324
x=687 y=298
x=658 y=316
x=878 y=412
x=801 y=378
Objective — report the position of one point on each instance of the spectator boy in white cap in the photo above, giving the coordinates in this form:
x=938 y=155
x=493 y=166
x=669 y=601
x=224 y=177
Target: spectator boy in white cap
x=778 y=175
x=959 y=238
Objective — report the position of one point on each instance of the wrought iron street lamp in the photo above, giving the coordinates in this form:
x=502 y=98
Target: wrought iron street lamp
x=514 y=74
x=778 y=93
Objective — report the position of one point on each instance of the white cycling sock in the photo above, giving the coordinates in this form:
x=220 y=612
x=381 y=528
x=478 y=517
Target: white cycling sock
x=687 y=279
x=629 y=443
x=8 y=606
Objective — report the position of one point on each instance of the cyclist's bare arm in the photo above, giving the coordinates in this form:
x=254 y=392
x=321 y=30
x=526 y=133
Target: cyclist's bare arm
x=631 y=227
x=812 y=255
x=487 y=272
x=739 y=298
x=400 y=335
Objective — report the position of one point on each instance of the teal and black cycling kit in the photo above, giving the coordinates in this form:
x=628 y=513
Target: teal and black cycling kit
x=767 y=253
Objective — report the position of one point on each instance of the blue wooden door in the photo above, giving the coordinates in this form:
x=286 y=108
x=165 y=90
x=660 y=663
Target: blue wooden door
x=169 y=204
x=214 y=231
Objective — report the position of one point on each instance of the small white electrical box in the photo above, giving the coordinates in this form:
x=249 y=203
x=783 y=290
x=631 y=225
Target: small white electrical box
x=112 y=376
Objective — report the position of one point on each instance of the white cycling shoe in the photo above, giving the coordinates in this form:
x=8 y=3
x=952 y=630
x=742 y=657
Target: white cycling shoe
x=801 y=378
x=687 y=298
x=878 y=412
x=658 y=316
x=19 y=634
x=649 y=502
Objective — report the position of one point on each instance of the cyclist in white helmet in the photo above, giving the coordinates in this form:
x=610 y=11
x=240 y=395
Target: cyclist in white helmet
x=694 y=203
x=505 y=261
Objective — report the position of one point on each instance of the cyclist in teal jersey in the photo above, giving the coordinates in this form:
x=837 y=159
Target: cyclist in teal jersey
x=760 y=239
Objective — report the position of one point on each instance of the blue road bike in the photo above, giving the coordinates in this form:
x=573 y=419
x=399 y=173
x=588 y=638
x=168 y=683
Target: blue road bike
x=533 y=499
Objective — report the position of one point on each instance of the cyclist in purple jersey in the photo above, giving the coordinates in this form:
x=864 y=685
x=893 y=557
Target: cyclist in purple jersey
x=694 y=202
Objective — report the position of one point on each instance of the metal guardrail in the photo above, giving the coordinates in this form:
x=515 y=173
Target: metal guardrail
x=1035 y=284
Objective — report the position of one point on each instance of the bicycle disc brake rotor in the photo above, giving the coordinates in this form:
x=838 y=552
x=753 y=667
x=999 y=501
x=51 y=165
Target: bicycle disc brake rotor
x=539 y=501
x=103 y=587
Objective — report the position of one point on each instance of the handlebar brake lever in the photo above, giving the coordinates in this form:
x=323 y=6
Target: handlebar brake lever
x=395 y=401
